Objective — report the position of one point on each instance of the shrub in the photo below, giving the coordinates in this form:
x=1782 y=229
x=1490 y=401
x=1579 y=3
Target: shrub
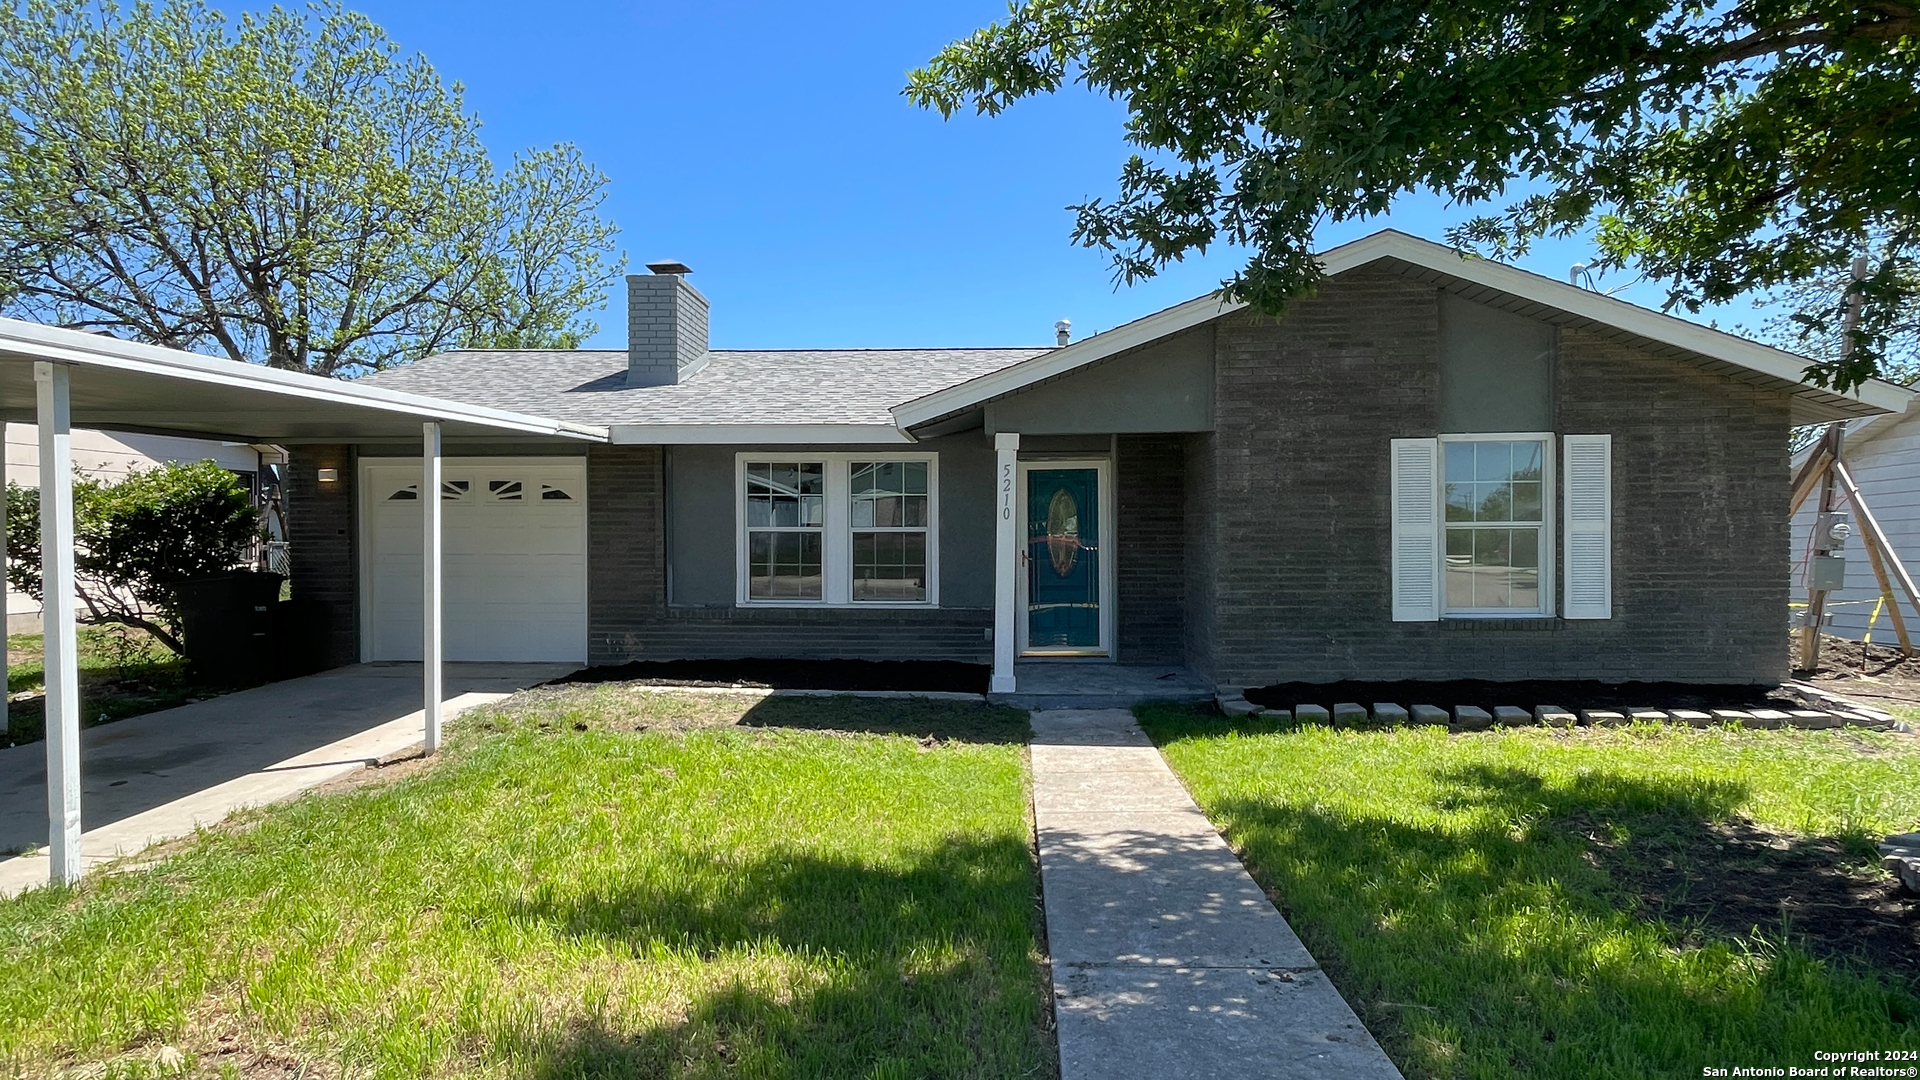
x=135 y=537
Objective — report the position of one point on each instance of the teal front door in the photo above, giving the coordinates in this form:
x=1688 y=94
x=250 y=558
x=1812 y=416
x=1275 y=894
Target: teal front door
x=1063 y=560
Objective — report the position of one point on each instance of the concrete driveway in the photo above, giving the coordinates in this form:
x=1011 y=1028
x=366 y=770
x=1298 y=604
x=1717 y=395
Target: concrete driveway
x=151 y=778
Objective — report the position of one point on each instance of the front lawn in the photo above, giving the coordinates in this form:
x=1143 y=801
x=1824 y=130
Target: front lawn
x=1597 y=903
x=591 y=882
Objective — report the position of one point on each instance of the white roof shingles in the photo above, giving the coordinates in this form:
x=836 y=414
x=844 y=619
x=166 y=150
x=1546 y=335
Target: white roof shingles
x=737 y=386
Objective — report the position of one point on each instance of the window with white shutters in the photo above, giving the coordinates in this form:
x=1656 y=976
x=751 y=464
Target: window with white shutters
x=1589 y=526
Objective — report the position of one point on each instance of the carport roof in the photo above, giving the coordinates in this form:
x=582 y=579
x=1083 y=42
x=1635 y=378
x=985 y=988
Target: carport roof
x=127 y=386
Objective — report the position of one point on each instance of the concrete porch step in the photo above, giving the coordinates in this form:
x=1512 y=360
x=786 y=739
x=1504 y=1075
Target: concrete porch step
x=1088 y=684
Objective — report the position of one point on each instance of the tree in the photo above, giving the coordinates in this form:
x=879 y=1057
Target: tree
x=1721 y=148
x=136 y=537
x=283 y=188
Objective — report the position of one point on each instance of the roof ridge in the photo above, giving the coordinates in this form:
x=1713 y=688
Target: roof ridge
x=790 y=349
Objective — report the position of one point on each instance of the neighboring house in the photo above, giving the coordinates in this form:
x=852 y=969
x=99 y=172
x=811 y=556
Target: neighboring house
x=102 y=456
x=1883 y=454
x=1434 y=468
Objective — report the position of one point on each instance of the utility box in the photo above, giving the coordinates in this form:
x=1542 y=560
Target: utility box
x=1827 y=573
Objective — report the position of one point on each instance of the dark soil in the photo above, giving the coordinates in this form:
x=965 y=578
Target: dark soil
x=1726 y=881
x=1872 y=674
x=1568 y=694
x=918 y=675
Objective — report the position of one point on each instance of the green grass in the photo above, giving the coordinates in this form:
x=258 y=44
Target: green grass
x=1567 y=905
x=591 y=882
x=123 y=672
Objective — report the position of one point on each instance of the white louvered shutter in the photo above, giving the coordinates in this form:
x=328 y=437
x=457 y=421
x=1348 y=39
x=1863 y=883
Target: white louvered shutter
x=1415 y=464
x=1589 y=526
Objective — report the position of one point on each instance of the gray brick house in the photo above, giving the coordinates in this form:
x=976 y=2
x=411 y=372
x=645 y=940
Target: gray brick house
x=1435 y=467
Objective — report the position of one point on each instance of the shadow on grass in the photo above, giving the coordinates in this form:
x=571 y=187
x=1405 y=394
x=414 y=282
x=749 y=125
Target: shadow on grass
x=1610 y=925
x=843 y=969
x=957 y=721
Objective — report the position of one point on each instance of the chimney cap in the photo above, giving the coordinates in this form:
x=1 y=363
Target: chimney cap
x=669 y=266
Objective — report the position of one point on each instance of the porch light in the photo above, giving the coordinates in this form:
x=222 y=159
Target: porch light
x=329 y=476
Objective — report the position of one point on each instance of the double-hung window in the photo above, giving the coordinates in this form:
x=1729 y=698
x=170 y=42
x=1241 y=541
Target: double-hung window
x=1497 y=541
x=786 y=517
x=889 y=530
x=838 y=529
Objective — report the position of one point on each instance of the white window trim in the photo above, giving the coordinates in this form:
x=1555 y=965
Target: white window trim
x=836 y=533
x=1549 y=503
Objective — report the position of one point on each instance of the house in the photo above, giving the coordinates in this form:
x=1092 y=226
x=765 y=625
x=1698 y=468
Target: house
x=1883 y=455
x=1435 y=467
x=101 y=455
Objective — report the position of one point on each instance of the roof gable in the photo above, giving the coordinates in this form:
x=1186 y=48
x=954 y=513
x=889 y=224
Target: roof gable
x=1476 y=279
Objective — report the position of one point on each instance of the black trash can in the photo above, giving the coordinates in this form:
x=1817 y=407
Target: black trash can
x=300 y=632
x=226 y=625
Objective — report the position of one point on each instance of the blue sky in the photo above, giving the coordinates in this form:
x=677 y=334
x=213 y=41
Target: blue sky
x=768 y=147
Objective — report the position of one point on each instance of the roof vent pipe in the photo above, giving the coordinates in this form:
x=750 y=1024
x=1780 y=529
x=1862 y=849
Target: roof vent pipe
x=1063 y=331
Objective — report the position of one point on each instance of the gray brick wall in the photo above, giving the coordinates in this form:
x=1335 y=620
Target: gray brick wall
x=666 y=328
x=626 y=546
x=628 y=617
x=1300 y=585
x=321 y=534
x=1150 y=530
x=1198 y=527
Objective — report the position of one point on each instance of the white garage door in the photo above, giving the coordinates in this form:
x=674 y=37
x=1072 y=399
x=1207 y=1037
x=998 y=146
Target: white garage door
x=513 y=559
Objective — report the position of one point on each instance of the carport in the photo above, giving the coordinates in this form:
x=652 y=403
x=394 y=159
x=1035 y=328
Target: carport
x=58 y=378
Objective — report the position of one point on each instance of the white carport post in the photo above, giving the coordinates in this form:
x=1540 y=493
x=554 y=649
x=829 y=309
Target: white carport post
x=430 y=575
x=56 y=613
x=1006 y=559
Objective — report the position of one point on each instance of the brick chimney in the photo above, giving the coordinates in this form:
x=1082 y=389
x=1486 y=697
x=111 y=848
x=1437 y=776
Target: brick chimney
x=666 y=326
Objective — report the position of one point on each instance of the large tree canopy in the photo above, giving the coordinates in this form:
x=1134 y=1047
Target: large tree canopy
x=283 y=188
x=1724 y=149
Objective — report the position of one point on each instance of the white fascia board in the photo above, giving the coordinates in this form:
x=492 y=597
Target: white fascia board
x=33 y=341
x=1064 y=359
x=758 y=434
x=1391 y=244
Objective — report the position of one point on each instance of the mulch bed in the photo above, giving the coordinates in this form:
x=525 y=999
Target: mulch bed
x=944 y=676
x=1725 y=880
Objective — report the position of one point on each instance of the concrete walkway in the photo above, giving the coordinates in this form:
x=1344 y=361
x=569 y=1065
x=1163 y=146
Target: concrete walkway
x=155 y=777
x=1168 y=961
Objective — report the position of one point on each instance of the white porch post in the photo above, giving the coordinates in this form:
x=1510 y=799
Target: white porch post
x=6 y=722
x=56 y=615
x=1006 y=560
x=430 y=574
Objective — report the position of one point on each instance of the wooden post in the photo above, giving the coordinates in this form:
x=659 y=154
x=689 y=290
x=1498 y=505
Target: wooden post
x=1878 y=547
x=1817 y=598
x=1874 y=557
x=1810 y=473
